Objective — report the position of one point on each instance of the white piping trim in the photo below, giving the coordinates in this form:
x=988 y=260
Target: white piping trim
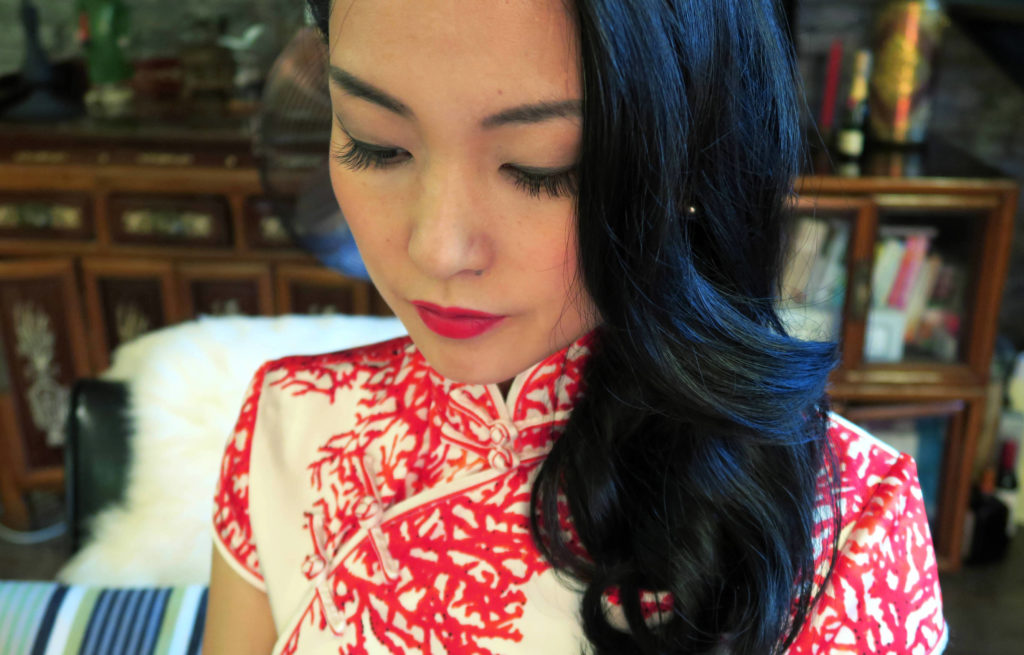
x=243 y=572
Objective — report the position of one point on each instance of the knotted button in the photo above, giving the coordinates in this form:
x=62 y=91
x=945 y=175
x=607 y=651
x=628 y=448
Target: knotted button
x=499 y=433
x=502 y=459
x=368 y=512
x=502 y=456
x=334 y=615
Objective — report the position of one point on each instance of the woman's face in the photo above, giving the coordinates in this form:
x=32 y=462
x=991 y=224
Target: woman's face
x=457 y=127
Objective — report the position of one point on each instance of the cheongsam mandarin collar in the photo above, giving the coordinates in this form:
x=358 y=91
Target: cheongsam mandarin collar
x=506 y=430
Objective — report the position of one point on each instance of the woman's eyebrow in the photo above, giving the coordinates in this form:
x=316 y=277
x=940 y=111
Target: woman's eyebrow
x=522 y=114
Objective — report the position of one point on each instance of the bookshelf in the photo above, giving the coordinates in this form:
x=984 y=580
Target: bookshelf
x=904 y=263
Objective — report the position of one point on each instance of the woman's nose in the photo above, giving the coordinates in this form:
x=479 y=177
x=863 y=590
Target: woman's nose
x=447 y=236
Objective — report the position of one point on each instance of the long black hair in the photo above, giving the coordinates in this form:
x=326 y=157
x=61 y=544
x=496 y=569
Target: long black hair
x=697 y=462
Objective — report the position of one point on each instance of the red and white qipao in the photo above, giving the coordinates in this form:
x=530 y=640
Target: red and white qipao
x=385 y=509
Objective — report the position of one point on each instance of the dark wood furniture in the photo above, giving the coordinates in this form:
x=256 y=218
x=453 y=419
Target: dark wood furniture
x=107 y=234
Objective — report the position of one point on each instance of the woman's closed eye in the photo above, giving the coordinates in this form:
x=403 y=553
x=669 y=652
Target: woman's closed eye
x=358 y=155
x=555 y=183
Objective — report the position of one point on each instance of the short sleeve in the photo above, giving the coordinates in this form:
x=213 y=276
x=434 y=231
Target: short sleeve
x=232 y=530
x=883 y=596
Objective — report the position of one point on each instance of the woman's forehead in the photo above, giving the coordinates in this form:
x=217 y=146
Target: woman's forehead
x=487 y=53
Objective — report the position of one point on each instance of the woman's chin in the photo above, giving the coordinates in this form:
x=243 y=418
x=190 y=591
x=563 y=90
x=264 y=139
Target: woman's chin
x=467 y=363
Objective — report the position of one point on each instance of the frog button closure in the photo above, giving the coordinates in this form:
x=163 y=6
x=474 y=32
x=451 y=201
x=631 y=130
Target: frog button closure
x=370 y=514
x=334 y=615
x=501 y=456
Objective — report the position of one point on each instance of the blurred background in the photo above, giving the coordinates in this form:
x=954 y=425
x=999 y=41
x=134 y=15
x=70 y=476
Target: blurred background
x=166 y=226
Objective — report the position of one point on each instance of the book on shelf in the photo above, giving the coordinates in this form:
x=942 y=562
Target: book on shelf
x=915 y=293
x=888 y=256
x=920 y=293
x=804 y=251
x=814 y=279
x=899 y=256
x=916 y=248
x=828 y=279
x=815 y=265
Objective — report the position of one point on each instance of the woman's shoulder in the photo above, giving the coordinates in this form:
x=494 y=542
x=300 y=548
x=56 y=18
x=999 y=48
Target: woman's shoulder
x=384 y=354
x=860 y=453
x=871 y=471
x=338 y=378
x=883 y=593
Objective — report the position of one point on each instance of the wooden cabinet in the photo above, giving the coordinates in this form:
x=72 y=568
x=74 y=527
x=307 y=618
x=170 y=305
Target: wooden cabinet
x=97 y=249
x=903 y=368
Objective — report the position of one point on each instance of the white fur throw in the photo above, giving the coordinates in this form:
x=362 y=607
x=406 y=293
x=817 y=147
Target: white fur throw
x=186 y=383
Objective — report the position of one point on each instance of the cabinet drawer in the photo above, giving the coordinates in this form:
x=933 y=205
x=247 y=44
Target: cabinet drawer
x=45 y=215
x=124 y=300
x=316 y=290
x=201 y=220
x=225 y=289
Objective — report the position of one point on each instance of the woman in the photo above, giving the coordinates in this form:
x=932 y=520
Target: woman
x=598 y=436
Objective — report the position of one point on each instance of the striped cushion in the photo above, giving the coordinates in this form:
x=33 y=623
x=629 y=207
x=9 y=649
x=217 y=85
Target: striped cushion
x=48 y=618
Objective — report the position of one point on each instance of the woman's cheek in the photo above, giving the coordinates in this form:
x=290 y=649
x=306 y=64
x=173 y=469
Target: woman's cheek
x=362 y=206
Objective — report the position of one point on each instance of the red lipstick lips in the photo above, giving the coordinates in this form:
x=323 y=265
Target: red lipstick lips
x=455 y=322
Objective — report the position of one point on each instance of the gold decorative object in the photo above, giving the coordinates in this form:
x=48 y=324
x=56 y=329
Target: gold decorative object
x=906 y=39
x=272 y=229
x=183 y=224
x=47 y=399
x=229 y=307
x=165 y=159
x=40 y=157
x=318 y=309
x=40 y=215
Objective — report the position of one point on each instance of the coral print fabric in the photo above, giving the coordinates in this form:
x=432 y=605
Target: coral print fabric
x=385 y=509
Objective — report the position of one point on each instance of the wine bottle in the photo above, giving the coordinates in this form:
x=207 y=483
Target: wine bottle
x=988 y=537
x=850 y=136
x=1006 y=483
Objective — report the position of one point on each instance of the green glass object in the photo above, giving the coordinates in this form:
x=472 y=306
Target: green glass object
x=105 y=25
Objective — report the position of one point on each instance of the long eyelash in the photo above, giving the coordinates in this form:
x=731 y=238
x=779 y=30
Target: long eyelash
x=555 y=185
x=358 y=156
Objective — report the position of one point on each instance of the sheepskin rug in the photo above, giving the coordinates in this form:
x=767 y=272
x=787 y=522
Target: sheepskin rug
x=186 y=384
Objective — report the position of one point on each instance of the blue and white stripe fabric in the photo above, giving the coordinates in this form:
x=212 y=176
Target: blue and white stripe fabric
x=48 y=618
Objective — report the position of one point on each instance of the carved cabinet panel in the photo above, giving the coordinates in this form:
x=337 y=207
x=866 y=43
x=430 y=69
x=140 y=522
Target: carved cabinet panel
x=316 y=290
x=170 y=220
x=44 y=349
x=125 y=299
x=225 y=289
